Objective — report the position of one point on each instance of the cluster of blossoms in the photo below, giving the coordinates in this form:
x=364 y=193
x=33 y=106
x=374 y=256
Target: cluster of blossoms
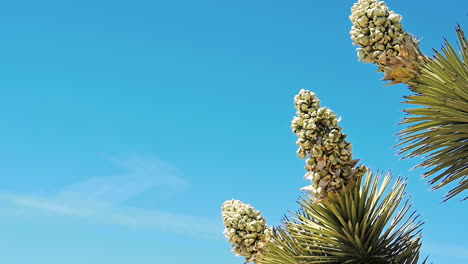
x=382 y=40
x=246 y=229
x=376 y=30
x=329 y=162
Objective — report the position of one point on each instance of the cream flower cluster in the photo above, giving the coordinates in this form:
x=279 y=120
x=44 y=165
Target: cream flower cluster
x=375 y=29
x=246 y=229
x=329 y=156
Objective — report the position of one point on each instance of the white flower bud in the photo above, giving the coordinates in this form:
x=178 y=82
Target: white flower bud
x=394 y=18
x=363 y=21
x=301 y=153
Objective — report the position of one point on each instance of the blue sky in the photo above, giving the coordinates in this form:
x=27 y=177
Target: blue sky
x=126 y=124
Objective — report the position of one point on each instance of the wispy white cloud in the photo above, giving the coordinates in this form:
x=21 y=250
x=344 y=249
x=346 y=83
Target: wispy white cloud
x=40 y=203
x=141 y=175
x=101 y=199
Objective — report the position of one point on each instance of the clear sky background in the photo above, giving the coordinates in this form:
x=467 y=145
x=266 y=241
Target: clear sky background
x=126 y=124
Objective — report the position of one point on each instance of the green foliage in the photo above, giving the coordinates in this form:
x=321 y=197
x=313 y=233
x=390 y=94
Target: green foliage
x=357 y=226
x=439 y=130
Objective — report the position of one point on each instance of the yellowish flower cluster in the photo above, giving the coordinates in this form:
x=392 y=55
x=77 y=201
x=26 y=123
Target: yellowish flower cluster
x=329 y=162
x=246 y=229
x=376 y=30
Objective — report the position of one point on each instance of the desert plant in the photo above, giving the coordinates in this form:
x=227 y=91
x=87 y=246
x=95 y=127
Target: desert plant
x=349 y=214
x=439 y=130
x=355 y=226
x=343 y=219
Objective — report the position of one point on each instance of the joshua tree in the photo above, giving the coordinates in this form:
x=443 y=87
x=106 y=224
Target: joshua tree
x=356 y=226
x=348 y=214
x=344 y=218
x=438 y=130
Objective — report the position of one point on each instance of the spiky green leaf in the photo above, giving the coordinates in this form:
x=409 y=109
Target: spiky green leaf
x=360 y=225
x=438 y=130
